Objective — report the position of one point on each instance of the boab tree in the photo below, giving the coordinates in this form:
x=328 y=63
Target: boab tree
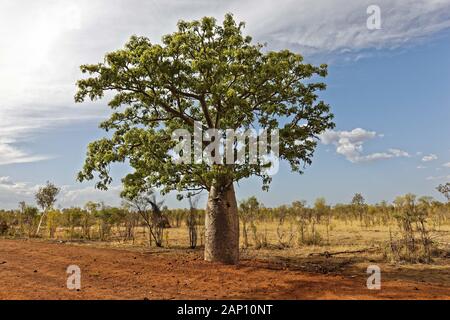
x=207 y=73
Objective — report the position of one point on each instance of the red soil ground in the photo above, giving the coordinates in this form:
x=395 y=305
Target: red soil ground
x=37 y=270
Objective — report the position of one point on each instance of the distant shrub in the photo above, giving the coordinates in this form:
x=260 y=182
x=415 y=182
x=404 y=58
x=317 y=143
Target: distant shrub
x=414 y=244
x=312 y=239
x=3 y=228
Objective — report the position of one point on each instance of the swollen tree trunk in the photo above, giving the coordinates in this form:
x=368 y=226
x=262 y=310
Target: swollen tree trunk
x=222 y=226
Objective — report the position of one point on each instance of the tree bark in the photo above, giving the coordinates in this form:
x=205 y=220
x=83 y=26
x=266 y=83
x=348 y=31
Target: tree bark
x=222 y=226
x=40 y=224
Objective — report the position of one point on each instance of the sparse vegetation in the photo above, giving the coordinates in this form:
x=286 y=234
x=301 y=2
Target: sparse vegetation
x=415 y=229
x=412 y=235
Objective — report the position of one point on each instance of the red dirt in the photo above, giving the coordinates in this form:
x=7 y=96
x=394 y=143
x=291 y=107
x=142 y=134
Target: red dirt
x=37 y=270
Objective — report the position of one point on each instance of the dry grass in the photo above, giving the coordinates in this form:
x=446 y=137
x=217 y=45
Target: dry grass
x=342 y=237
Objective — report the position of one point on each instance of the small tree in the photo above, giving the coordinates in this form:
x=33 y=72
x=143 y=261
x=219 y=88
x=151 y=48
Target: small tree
x=72 y=218
x=149 y=208
x=192 y=222
x=46 y=198
x=29 y=218
x=3 y=226
x=285 y=237
x=107 y=217
x=130 y=219
x=299 y=211
x=247 y=214
x=53 y=220
x=411 y=216
x=87 y=219
x=322 y=212
x=359 y=207
x=445 y=190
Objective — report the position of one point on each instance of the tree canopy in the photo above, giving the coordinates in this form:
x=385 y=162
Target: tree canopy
x=204 y=72
x=444 y=189
x=46 y=196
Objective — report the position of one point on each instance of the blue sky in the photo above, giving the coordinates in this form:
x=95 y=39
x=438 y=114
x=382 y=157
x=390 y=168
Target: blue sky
x=388 y=88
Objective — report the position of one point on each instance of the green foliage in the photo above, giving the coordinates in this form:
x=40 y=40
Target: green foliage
x=321 y=208
x=248 y=208
x=106 y=218
x=53 y=221
x=445 y=190
x=29 y=219
x=72 y=219
x=203 y=72
x=3 y=227
x=360 y=208
x=46 y=196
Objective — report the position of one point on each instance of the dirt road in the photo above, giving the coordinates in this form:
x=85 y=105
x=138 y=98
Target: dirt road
x=37 y=270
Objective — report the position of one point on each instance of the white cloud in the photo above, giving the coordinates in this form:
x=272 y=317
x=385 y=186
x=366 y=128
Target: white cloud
x=72 y=196
x=5 y=181
x=10 y=154
x=20 y=124
x=340 y=26
x=429 y=158
x=447 y=165
x=399 y=153
x=438 y=177
x=350 y=145
x=11 y=193
x=421 y=167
